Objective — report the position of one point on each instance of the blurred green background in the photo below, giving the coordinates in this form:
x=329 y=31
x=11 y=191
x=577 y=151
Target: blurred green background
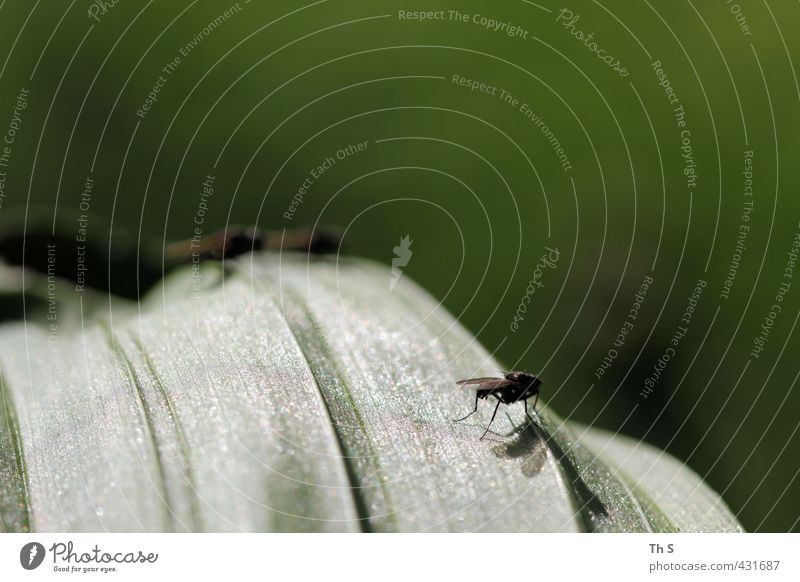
x=263 y=95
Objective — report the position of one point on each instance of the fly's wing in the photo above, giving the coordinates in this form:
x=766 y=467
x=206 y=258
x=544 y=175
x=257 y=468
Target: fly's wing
x=488 y=383
x=477 y=380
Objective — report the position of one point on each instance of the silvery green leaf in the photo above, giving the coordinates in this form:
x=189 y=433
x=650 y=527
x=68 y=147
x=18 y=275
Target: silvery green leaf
x=663 y=483
x=288 y=395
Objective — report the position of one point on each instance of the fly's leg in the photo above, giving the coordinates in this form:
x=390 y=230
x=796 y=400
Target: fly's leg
x=535 y=400
x=491 y=421
x=471 y=413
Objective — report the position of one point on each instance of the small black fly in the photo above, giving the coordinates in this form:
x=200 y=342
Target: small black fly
x=514 y=387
